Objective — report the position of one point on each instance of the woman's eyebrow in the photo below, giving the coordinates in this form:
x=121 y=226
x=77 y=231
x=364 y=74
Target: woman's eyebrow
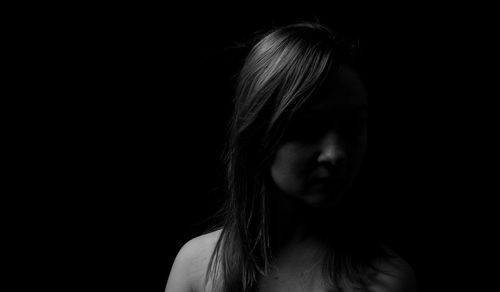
x=318 y=114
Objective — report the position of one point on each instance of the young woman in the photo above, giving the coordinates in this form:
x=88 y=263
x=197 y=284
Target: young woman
x=296 y=144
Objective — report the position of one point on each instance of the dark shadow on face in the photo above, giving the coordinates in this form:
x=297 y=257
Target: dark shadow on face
x=325 y=142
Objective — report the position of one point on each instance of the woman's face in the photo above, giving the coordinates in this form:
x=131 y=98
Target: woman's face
x=325 y=143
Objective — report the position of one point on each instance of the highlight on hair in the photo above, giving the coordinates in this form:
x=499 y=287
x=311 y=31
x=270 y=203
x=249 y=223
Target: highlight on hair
x=283 y=70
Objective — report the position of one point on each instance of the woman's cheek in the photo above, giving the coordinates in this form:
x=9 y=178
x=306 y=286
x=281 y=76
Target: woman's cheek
x=291 y=168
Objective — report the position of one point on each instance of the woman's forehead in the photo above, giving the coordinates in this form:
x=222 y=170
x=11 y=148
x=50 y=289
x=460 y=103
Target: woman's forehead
x=334 y=113
x=337 y=104
x=343 y=91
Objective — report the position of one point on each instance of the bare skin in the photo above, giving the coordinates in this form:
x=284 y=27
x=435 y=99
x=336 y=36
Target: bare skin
x=190 y=265
x=297 y=269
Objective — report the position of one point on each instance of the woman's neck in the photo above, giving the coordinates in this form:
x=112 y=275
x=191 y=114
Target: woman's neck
x=292 y=221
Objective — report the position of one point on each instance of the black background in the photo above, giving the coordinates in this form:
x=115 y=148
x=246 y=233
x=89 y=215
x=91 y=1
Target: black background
x=124 y=123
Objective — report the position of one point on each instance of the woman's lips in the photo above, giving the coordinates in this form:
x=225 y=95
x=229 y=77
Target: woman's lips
x=329 y=180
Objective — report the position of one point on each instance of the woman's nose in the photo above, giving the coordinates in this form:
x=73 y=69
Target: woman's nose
x=332 y=149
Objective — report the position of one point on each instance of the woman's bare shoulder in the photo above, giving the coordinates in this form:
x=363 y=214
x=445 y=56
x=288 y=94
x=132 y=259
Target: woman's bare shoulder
x=191 y=262
x=201 y=248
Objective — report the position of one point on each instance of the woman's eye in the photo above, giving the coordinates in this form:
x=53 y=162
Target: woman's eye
x=304 y=131
x=310 y=131
x=354 y=128
x=357 y=127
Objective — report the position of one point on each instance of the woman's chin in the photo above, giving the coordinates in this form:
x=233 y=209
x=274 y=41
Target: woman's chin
x=323 y=199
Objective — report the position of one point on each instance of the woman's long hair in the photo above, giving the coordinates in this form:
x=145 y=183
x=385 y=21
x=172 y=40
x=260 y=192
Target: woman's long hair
x=283 y=70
